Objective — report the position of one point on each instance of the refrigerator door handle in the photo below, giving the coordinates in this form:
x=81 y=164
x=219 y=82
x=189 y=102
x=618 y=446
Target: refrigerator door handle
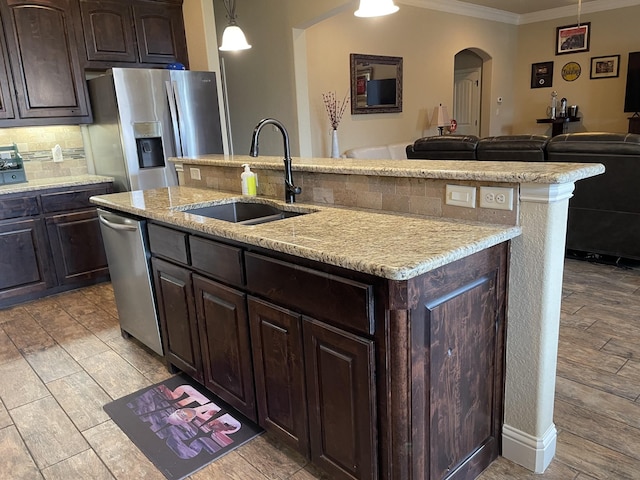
x=172 y=97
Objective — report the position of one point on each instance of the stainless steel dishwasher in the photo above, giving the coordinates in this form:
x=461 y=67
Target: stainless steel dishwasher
x=128 y=258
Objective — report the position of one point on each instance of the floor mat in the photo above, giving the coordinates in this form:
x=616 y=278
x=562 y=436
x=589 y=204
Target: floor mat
x=180 y=426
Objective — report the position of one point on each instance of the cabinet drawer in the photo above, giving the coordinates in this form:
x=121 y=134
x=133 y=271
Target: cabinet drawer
x=70 y=200
x=337 y=300
x=18 y=207
x=168 y=243
x=219 y=261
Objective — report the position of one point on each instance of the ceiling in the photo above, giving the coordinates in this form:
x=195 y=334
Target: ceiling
x=522 y=7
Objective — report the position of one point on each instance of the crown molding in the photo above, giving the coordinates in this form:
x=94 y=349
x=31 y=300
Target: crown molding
x=486 y=13
x=466 y=9
x=572 y=11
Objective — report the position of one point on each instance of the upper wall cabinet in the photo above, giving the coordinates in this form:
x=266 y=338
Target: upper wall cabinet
x=133 y=33
x=45 y=68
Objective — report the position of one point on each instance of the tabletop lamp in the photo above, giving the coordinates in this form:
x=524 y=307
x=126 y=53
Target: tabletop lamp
x=440 y=118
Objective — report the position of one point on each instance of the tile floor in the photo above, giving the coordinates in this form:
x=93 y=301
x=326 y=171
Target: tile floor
x=62 y=358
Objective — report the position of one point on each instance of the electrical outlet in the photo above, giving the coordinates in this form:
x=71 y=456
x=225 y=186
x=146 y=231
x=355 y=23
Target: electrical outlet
x=461 y=196
x=195 y=173
x=499 y=198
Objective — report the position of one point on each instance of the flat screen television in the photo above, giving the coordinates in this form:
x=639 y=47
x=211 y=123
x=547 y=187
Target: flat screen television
x=632 y=93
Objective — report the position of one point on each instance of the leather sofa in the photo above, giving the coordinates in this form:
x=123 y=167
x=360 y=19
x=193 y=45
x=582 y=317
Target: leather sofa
x=604 y=212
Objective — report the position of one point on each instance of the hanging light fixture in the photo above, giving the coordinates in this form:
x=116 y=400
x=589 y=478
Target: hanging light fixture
x=233 y=38
x=375 y=8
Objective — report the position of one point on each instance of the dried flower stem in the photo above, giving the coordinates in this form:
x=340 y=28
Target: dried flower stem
x=335 y=108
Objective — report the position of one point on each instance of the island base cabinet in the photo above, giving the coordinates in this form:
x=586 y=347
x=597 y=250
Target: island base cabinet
x=341 y=390
x=276 y=339
x=226 y=348
x=178 y=322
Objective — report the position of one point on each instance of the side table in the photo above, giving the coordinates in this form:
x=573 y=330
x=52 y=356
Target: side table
x=558 y=124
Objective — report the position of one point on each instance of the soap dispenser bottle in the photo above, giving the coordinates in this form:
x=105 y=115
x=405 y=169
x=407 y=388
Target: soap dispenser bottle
x=249 y=181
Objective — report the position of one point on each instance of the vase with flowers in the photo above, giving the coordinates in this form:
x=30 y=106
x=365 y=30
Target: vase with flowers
x=335 y=110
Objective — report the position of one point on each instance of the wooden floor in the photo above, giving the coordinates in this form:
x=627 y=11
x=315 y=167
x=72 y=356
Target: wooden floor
x=62 y=358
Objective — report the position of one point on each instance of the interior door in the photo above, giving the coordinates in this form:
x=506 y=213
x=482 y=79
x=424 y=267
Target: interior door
x=467 y=89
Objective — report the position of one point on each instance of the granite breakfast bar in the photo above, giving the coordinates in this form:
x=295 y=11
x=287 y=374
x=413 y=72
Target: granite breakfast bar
x=405 y=268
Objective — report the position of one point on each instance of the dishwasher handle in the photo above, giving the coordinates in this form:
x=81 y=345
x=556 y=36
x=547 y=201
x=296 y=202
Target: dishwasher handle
x=117 y=226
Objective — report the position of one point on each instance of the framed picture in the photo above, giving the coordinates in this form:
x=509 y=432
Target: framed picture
x=605 y=67
x=542 y=75
x=573 y=38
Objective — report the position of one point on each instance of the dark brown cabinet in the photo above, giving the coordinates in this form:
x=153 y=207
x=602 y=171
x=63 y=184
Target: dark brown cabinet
x=23 y=258
x=133 y=33
x=50 y=241
x=46 y=72
x=276 y=340
x=108 y=31
x=369 y=378
x=180 y=336
x=341 y=394
x=76 y=246
x=224 y=338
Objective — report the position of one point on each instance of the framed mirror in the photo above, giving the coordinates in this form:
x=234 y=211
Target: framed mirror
x=376 y=84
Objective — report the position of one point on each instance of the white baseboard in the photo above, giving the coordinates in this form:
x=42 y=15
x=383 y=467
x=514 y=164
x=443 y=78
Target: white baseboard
x=531 y=452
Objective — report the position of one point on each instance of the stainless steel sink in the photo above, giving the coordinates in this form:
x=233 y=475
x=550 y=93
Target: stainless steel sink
x=244 y=213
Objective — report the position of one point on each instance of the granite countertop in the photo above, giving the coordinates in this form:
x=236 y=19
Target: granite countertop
x=53 y=182
x=392 y=246
x=508 y=172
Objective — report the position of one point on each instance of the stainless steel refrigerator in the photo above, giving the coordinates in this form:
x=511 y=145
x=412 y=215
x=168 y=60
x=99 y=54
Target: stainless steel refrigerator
x=144 y=116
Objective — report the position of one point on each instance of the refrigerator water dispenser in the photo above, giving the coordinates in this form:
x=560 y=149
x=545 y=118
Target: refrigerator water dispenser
x=148 y=137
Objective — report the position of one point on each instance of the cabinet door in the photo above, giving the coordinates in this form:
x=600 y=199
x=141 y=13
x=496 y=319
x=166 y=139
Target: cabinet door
x=7 y=94
x=180 y=339
x=46 y=70
x=160 y=32
x=23 y=258
x=226 y=349
x=76 y=245
x=340 y=372
x=108 y=31
x=276 y=341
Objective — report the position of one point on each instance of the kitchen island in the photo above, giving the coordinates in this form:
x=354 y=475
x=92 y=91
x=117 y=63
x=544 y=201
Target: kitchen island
x=371 y=342
x=433 y=292
x=541 y=196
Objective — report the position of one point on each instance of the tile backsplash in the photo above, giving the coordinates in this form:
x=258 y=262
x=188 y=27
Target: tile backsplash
x=35 y=144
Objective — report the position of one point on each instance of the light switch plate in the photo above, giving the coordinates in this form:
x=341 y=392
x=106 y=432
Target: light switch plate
x=461 y=196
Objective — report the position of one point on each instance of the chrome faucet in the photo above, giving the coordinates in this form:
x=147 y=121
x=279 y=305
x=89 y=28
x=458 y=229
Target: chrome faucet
x=290 y=190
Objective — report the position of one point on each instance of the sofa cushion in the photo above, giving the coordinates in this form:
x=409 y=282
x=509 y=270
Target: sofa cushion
x=518 y=148
x=444 y=147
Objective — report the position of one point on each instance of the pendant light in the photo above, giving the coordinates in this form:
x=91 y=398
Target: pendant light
x=375 y=8
x=233 y=38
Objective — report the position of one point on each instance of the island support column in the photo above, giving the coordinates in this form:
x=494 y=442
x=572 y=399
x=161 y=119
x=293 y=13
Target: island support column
x=535 y=292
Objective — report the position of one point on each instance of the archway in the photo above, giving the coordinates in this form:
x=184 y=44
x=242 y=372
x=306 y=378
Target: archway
x=471 y=85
